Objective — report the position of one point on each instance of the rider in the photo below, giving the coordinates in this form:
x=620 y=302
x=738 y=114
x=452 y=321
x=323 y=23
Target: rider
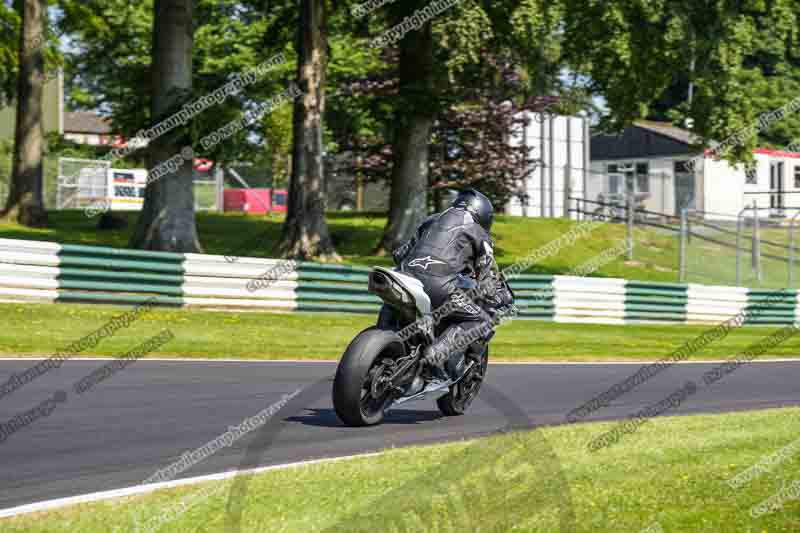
x=452 y=255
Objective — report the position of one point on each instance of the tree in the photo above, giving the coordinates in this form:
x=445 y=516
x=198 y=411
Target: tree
x=770 y=71
x=110 y=61
x=167 y=220
x=305 y=233
x=25 y=202
x=635 y=52
x=109 y=58
x=469 y=144
x=440 y=66
x=414 y=118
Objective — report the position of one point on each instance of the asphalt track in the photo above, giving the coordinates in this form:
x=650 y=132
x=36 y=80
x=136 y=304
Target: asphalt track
x=143 y=418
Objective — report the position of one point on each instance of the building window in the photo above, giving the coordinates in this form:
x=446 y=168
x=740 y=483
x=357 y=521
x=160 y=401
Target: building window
x=624 y=178
x=613 y=179
x=642 y=177
x=751 y=174
x=613 y=183
x=684 y=186
x=682 y=167
x=797 y=177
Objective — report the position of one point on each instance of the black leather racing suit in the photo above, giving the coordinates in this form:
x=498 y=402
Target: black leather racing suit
x=453 y=257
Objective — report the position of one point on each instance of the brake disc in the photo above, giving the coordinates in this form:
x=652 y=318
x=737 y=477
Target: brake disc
x=380 y=381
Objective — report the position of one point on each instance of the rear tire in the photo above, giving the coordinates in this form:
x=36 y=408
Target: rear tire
x=457 y=401
x=353 y=403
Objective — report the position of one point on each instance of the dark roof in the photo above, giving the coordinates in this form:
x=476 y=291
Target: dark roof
x=668 y=130
x=85 y=122
x=642 y=139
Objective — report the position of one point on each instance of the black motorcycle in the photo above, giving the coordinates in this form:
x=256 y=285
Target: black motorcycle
x=383 y=367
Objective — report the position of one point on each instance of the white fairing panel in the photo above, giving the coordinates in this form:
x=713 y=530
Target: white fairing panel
x=413 y=286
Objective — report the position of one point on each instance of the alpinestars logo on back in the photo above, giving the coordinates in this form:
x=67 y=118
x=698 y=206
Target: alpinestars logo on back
x=425 y=262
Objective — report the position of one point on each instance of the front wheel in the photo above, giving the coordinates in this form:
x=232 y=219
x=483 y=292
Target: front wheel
x=361 y=388
x=456 y=402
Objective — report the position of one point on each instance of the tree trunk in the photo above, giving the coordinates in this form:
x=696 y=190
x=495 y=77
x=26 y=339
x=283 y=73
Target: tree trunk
x=167 y=220
x=25 y=203
x=305 y=233
x=414 y=121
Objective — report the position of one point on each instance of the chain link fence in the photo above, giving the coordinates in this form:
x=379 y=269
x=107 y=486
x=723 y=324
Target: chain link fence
x=84 y=182
x=81 y=182
x=208 y=190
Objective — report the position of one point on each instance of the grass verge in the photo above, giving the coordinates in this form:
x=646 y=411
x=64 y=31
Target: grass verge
x=356 y=235
x=669 y=476
x=44 y=329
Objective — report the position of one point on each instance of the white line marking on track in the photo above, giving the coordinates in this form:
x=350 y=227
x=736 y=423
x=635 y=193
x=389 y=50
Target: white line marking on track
x=151 y=487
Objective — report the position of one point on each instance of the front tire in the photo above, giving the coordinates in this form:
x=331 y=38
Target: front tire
x=354 y=397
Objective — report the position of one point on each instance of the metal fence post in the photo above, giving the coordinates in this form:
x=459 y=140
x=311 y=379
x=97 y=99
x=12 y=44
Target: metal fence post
x=682 y=267
x=630 y=227
x=567 y=189
x=688 y=227
x=219 y=182
x=792 y=249
x=756 y=255
x=739 y=247
x=552 y=167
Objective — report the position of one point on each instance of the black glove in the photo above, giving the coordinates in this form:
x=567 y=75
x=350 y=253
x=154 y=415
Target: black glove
x=506 y=312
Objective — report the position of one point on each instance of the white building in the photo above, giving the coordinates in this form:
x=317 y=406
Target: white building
x=650 y=159
x=560 y=147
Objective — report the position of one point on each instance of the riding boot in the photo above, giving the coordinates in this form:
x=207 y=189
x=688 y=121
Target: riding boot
x=444 y=349
x=455 y=365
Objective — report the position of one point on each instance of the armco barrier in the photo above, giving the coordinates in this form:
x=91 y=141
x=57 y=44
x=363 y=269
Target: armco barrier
x=34 y=271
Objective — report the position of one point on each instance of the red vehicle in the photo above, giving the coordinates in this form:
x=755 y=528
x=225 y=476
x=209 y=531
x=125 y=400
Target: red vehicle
x=256 y=201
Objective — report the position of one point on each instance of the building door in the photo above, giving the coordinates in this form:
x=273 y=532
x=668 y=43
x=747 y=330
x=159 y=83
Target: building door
x=684 y=187
x=776 y=189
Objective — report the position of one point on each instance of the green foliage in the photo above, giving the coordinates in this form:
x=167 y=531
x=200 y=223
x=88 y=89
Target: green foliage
x=356 y=109
x=107 y=65
x=740 y=56
x=10 y=27
x=233 y=37
x=635 y=54
x=462 y=38
x=9 y=58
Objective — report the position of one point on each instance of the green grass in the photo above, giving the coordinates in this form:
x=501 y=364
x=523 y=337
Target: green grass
x=710 y=263
x=672 y=472
x=357 y=235
x=44 y=329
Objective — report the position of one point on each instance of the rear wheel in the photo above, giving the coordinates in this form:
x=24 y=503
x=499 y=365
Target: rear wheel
x=457 y=401
x=361 y=388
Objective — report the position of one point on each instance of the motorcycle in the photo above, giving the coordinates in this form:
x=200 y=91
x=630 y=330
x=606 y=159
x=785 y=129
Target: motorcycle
x=383 y=366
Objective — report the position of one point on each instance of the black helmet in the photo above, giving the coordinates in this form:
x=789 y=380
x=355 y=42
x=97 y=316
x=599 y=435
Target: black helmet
x=477 y=205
